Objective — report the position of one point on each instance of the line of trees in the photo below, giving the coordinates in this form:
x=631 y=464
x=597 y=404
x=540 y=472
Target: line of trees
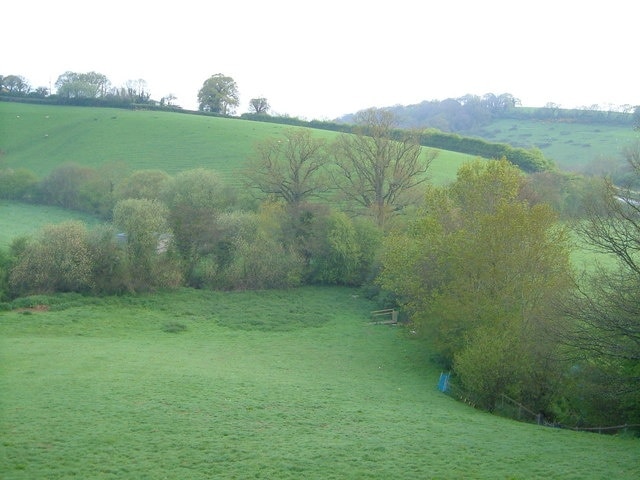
x=191 y=230
x=87 y=88
x=469 y=113
x=529 y=160
x=218 y=95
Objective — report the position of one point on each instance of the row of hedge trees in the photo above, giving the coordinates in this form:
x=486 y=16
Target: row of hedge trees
x=189 y=229
x=529 y=160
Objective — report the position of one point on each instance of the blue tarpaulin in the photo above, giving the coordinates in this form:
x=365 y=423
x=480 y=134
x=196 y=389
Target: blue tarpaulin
x=443 y=383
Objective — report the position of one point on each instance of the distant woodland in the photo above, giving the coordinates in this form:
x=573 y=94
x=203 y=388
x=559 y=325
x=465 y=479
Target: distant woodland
x=469 y=113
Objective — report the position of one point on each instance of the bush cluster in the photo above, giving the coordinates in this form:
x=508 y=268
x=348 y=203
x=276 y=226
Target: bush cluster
x=162 y=232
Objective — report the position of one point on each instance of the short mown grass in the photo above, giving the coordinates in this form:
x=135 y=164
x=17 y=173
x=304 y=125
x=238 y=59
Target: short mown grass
x=280 y=384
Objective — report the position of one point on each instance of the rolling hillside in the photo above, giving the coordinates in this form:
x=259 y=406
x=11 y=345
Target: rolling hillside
x=41 y=137
x=257 y=384
x=571 y=138
x=572 y=146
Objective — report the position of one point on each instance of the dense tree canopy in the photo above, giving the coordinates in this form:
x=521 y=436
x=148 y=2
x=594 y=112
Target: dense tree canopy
x=194 y=198
x=81 y=88
x=479 y=271
x=59 y=260
x=17 y=184
x=259 y=105
x=219 y=94
x=147 y=184
x=14 y=85
x=82 y=85
x=148 y=239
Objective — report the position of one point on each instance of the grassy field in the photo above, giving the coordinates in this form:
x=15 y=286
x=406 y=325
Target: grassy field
x=17 y=219
x=41 y=137
x=279 y=384
x=570 y=145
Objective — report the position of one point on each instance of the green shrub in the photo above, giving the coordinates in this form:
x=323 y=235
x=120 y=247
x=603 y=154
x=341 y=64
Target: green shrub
x=18 y=184
x=59 y=261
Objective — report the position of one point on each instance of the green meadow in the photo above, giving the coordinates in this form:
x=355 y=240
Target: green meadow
x=18 y=219
x=570 y=145
x=277 y=384
x=40 y=138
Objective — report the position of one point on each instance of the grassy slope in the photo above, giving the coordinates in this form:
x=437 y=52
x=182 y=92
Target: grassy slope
x=570 y=145
x=272 y=384
x=41 y=137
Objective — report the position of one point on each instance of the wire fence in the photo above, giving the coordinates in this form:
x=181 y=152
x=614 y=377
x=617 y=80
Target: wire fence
x=508 y=407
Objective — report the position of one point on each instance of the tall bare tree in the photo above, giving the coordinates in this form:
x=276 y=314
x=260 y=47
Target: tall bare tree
x=604 y=313
x=290 y=168
x=380 y=167
x=608 y=309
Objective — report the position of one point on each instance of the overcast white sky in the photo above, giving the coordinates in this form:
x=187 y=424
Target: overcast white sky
x=326 y=58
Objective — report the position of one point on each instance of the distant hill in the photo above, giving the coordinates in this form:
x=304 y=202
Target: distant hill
x=571 y=138
x=572 y=146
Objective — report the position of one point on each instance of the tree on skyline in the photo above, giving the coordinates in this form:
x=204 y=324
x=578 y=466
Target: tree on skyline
x=14 y=85
x=82 y=85
x=259 y=105
x=219 y=94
